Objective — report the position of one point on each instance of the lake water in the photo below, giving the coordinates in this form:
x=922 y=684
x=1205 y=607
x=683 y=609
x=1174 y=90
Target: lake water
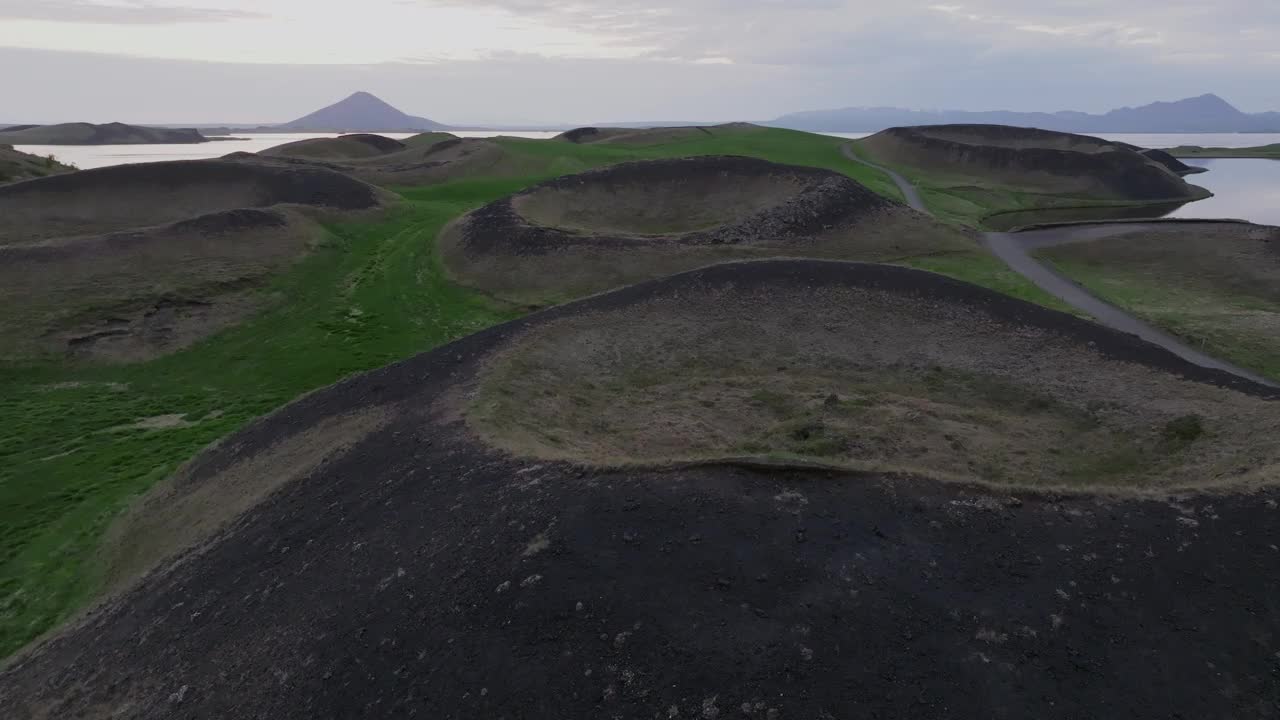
x=1243 y=189
x=95 y=156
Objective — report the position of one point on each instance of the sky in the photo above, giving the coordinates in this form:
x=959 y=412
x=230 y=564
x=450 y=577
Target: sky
x=579 y=61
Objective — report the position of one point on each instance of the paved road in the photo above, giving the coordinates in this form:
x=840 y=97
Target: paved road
x=908 y=190
x=1013 y=249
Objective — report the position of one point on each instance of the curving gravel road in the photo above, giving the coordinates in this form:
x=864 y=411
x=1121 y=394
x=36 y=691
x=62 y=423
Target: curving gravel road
x=1013 y=248
x=914 y=201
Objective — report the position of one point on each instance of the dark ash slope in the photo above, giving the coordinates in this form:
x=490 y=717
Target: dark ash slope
x=412 y=571
x=125 y=263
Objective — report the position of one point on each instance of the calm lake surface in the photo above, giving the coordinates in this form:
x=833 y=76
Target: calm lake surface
x=1243 y=189
x=95 y=156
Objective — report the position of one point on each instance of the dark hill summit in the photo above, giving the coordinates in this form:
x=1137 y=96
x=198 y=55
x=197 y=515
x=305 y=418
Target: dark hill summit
x=361 y=112
x=90 y=134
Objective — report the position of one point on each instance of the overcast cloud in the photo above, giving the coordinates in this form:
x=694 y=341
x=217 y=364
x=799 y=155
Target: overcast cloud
x=520 y=61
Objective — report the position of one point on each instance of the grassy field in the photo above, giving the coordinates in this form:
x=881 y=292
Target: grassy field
x=1217 y=289
x=79 y=442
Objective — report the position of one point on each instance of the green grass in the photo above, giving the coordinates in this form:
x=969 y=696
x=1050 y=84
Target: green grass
x=1213 y=321
x=374 y=293
x=982 y=268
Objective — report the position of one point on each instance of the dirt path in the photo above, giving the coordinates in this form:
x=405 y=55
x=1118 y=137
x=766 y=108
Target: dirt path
x=1013 y=249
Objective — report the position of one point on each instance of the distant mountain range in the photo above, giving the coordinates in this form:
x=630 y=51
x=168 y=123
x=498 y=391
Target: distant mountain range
x=359 y=112
x=363 y=112
x=1207 y=113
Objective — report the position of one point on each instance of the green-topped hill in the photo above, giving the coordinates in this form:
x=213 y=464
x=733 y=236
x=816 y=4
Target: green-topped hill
x=969 y=172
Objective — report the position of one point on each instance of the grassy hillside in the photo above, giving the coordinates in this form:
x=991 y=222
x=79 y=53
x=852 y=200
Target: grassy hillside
x=1216 y=286
x=971 y=179
x=79 y=441
x=16 y=165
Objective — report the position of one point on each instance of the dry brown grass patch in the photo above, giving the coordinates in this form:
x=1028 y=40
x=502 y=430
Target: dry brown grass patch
x=867 y=380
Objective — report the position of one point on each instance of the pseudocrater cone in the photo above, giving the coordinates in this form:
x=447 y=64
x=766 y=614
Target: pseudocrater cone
x=580 y=234
x=870 y=368
x=130 y=262
x=662 y=198
x=399 y=545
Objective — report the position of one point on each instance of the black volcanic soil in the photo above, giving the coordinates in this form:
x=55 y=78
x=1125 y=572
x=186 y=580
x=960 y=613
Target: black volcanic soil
x=408 y=570
x=130 y=196
x=1040 y=160
x=632 y=221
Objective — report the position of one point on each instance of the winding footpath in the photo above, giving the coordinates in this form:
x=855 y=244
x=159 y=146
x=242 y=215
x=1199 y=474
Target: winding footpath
x=1012 y=248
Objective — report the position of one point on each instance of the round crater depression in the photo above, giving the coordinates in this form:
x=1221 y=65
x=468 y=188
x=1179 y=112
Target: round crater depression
x=659 y=198
x=846 y=373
